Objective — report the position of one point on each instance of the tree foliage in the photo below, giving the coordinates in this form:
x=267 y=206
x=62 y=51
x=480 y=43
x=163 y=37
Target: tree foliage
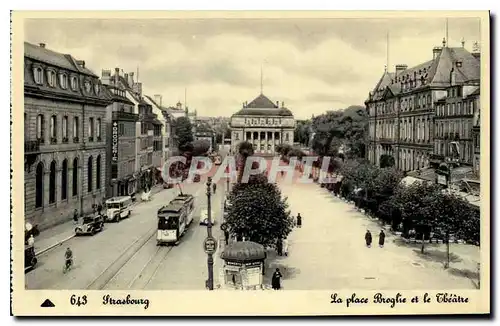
x=183 y=132
x=387 y=161
x=258 y=212
x=245 y=150
x=200 y=147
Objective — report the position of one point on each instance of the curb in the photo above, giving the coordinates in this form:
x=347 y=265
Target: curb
x=54 y=245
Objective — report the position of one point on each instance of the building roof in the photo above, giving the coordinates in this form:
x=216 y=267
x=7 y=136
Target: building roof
x=434 y=72
x=262 y=105
x=116 y=97
x=57 y=59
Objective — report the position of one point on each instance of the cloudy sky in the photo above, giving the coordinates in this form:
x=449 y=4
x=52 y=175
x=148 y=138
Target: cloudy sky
x=313 y=65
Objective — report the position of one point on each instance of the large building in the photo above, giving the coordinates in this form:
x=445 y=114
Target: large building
x=166 y=131
x=65 y=143
x=264 y=124
x=120 y=121
x=402 y=106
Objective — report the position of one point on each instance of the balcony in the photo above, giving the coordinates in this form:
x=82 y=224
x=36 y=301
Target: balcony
x=127 y=116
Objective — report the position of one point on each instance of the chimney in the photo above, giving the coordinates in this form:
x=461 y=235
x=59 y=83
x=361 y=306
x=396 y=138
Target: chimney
x=105 y=77
x=42 y=45
x=158 y=99
x=282 y=104
x=81 y=63
x=277 y=104
x=400 y=69
x=125 y=75
x=436 y=52
x=130 y=79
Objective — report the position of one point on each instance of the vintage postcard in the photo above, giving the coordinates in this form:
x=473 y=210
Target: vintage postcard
x=250 y=163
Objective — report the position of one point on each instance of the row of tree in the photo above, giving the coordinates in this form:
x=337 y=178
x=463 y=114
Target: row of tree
x=422 y=208
x=258 y=212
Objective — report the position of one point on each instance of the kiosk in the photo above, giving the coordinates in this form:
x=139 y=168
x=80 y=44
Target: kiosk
x=243 y=265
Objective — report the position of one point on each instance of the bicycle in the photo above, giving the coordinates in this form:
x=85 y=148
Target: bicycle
x=67 y=265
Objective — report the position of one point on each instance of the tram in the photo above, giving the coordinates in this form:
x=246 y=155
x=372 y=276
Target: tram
x=174 y=219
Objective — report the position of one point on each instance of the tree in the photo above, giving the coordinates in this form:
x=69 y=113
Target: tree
x=416 y=204
x=183 y=131
x=200 y=147
x=245 y=149
x=258 y=212
x=386 y=161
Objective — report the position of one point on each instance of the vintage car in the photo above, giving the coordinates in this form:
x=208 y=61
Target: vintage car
x=204 y=217
x=91 y=224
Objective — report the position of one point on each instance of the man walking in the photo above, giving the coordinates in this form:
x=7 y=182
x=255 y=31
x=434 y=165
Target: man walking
x=75 y=216
x=368 y=238
x=299 y=221
x=381 y=239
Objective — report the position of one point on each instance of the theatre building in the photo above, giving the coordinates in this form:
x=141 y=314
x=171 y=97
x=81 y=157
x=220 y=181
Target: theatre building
x=264 y=124
x=64 y=139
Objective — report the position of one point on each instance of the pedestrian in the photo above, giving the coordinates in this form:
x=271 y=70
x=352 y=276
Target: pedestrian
x=99 y=209
x=279 y=247
x=285 y=247
x=226 y=236
x=75 y=216
x=368 y=238
x=276 y=280
x=299 y=220
x=381 y=239
x=214 y=187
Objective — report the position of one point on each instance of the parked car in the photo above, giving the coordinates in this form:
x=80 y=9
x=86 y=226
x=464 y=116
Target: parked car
x=29 y=257
x=91 y=224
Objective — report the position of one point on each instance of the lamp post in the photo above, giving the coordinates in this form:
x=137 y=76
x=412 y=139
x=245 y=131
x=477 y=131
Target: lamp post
x=210 y=259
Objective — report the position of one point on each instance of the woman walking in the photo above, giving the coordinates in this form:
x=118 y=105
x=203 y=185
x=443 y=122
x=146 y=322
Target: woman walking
x=276 y=280
x=368 y=238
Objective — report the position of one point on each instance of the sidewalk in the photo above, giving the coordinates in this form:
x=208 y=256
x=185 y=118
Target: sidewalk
x=61 y=233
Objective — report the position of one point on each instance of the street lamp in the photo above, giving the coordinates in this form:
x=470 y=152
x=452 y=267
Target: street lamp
x=210 y=259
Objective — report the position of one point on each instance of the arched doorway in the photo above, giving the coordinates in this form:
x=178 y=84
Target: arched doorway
x=75 y=177
x=64 y=180
x=89 y=174
x=52 y=183
x=39 y=185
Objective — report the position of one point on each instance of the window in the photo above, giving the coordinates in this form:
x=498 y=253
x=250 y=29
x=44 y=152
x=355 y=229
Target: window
x=74 y=83
x=98 y=172
x=91 y=129
x=459 y=91
x=88 y=86
x=40 y=128
x=89 y=174
x=448 y=109
x=76 y=127
x=51 y=78
x=96 y=89
x=453 y=109
x=459 y=108
x=98 y=131
x=75 y=177
x=39 y=185
x=64 y=180
x=121 y=129
x=38 y=75
x=63 y=81
x=65 y=129
x=53 y=129
x=236 y=136
x=471 y=107
x=286 y=137
x=429 y=99
x=52 y=183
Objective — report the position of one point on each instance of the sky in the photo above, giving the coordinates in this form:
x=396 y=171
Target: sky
x=312 y=65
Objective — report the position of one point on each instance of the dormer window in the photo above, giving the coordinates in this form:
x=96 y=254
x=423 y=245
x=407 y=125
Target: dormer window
x=38 y=75
x=51 y=78
x=88 y=87
x=96 y=89
x=63 y=81
x=74 y=83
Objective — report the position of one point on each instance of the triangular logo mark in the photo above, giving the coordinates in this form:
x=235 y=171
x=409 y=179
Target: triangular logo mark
x=47 y=304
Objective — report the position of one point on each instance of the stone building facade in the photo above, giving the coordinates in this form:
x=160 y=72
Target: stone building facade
x=120 y=128
x=264 y=124
x=402 y=106
x=65 y=142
